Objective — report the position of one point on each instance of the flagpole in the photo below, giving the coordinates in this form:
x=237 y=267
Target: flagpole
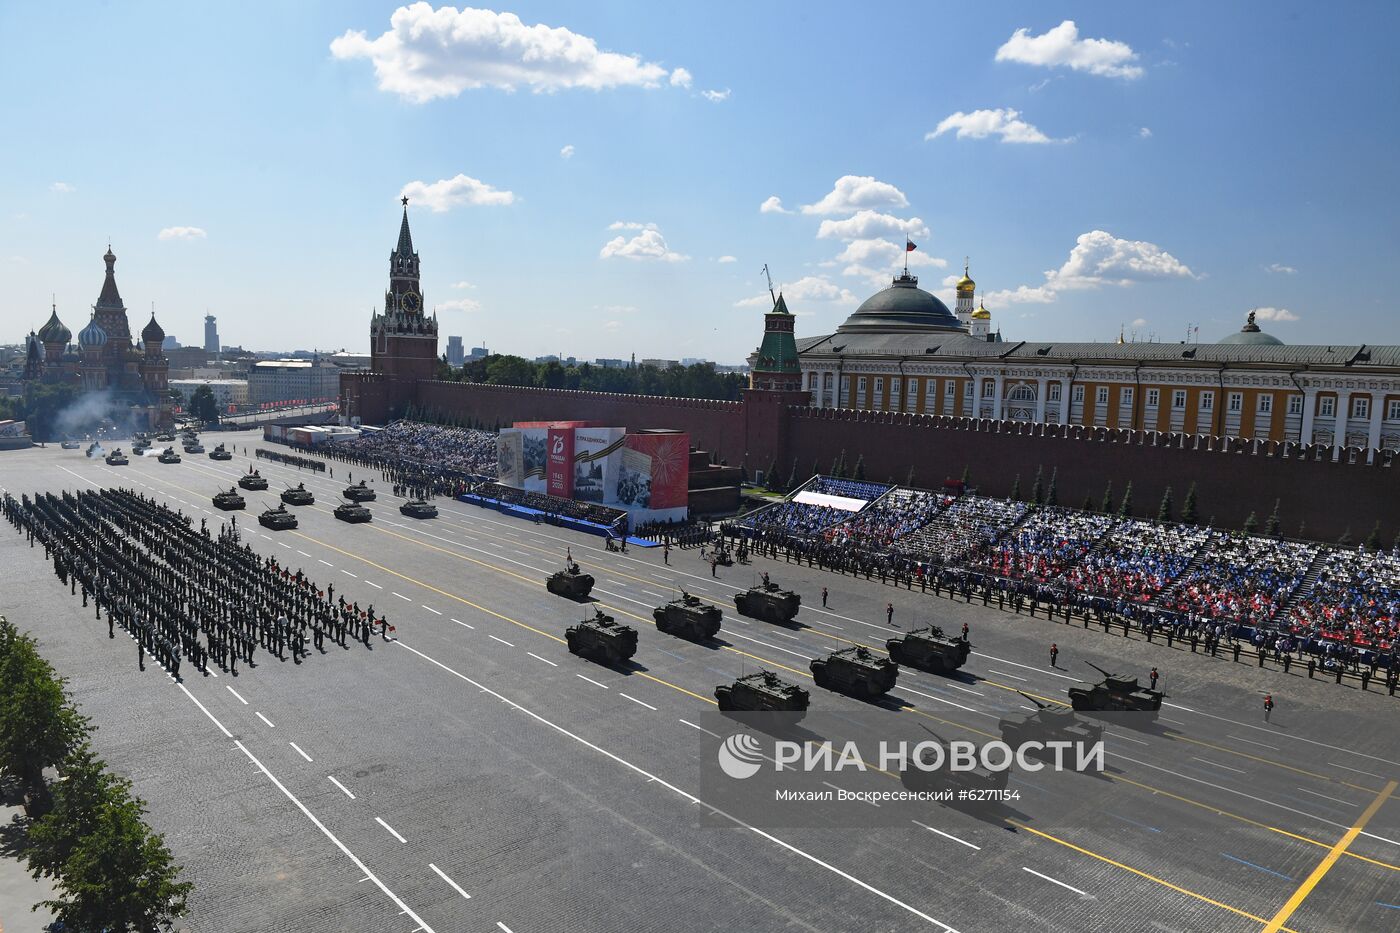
x=906 y=255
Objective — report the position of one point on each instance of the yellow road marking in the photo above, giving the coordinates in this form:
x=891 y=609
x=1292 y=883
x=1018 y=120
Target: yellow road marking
x=1330 y=859
x=1270 y=761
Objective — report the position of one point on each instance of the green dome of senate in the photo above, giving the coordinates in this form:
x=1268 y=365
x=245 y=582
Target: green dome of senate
x=902 y=306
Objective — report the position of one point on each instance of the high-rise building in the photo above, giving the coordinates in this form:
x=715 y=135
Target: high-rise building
x=211 y=334
x=455 y=353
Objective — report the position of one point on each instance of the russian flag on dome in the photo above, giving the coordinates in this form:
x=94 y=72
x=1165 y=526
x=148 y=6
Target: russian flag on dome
x=910 y=245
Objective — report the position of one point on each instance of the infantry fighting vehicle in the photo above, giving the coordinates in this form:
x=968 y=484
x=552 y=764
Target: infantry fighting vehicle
x=418 y=508
x=69 y=444
x=352 y=512
x=278 y=519
x=229 y=501
x=169 y=456
x=1115 y=694
x=117 y=458
x=359 y=492
x=1048 y=724
x=855 y=671
x=769 y=602
x=929 y=649
x=570 y=582
x=688 y=617
x=764 y=692
x=220 y=453
x=298 y=496
x=602 y=639
x=253 y=480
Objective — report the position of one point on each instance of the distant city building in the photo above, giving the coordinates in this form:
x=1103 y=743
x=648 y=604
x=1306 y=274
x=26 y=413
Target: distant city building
x=169 y=343
x=226 y=391
x=693 y=361
x=290 y=380
x=346 y=360
x=455 y=353
x=478 y=353
x=551 y=358
x=610 y=363
x=662 y=364
x=211 y=334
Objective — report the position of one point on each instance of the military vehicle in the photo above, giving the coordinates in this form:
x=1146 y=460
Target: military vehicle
x=298 y=496
x=928 y=776
x=166 y=437
x=69 y=444
x=194 y=448
x=169 y=456
x=855 y=671
x=602 y=639
x=570 y=582
x=764 y=692
x=278 y=519
x=1048 y=724
x=418 y=508
x=142 y=445
x=93 y=449
x=1115 y=694
x=929 y=649
x=688 y=617
x=359 y=492
x=229 y=501
x=352 y=512
x=253 y=480
x=769 y=602
x=117 y=458
x=220 y=453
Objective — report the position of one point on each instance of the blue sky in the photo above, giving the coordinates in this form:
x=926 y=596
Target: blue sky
x=1103 y=165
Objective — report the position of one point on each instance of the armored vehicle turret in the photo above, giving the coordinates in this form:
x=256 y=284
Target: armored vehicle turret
x=1115 y=694
x=169 y=456
x=359 y=492
x=418 y=508
x=764 y=692
x=229 y=501
x=602 y=639
x=352 y=512
x=298 y=496
x=142 y=445
x=253 y=480
x=117 y=458
x=929 y=649
x=94 y=449
x=570 y=582
x=220 y=453
x=688 y=617
x=855 y=671
x=278 y=519
x=769 y=602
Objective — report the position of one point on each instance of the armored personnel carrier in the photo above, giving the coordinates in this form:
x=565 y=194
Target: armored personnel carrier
x=769 y=602
x=1048 y=724
x=169 y=456
x=220 y=453
x=229 y=501
x=359 y=493
x=117 y=458
x=570 y=582
x=855 y=671
x=929 y=649
x=278 y=519
x=253 y=480
x=1115 y=694
x=602 y=639
x=352 y=512
x=418 y=508
x=298 y=496
x=688 y=617
x=763 y=692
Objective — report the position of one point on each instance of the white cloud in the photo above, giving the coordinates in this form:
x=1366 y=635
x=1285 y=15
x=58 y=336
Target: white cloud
x=630 y=225
x=459 y=304
x=868 y=223
x=62 y=187
x=463 y=284
x=726 y=259
x=979 y=124
x=612 y=325
x=649 y=244
x=181 y=233
x=619 y=309
x=1140 y=322
x=430 y=53
x=716 y=96
x=443 y=195
x=877 y=260
x=1022 y=294
x=1274 y=314
x=807 y=288
x=854 y=192
x=681 y=78
x=1062 y=46
x=774 y=205
x=1098 y=259
x=1280 y=267
x=567 y=152
x=1145 y=133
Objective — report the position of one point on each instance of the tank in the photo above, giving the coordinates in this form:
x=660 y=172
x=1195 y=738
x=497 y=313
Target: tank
x=195 y=448
x=1048 y=724
x=919 y=777
x=768 y=602
x=418 y=508
x=166 y=437
x=69 y=444
x=855 y=671
x=117 y=458
x=253 y=480
x=93 y=448
x=278 y=519
x=141 y=446
x=169 y=456
x=298 y=496
x=929 y=649
x=220 y=453
x=763 y=692
x=570 y=582
x=229 y=501
x=602 y=639
x=688 y=617
x=359 y=492
x=1115 y=694
x=352 y=512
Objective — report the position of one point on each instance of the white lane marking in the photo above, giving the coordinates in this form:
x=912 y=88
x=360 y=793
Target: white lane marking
x=375 y=585
x=302 y=553
x=965 y=690
x=285 y=545
x=502 y=641
x=206 y=712
x=504 y=928
x=349 y=574
x=326 y=562
x=653 y=593
x=947 y=835
x=455 y=886
x=431 y=609
x=538 y=658
x=593 y=682
x=390 y=829
x=235 y=693
x=465 y=624
x=1068 y=887
x=1175 y=722
x=1252 y=742
x=1344 y=803
x=1123 y=738
x=299 y=751
x=701 y=728
x=929 y=696
x=341 y=786
x=403 y=597
x=1029 y=667
x=264 y=537
x=1216 y=764
x=1004 y=674
x=635 y=700
x=1184 y=709
x=801 y=853
x=339 y=845
x=264 y=719
x=1357 y=770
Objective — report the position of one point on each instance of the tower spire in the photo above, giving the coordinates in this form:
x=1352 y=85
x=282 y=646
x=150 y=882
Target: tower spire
x=405 y=247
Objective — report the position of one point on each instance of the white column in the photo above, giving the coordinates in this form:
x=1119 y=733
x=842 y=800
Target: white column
x=1040 y=399
x=1373 y=438
x=1339 y=423
x=996 y=396
x=1305 y=434
x=1064 y=400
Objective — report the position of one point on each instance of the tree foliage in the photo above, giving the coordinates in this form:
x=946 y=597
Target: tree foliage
x=699 y=380
x=203 y=405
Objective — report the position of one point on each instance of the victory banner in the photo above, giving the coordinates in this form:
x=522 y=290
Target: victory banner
x=559 y=463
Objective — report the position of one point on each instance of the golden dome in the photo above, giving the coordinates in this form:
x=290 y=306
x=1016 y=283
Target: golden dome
x=981 y=314
x=965 y=284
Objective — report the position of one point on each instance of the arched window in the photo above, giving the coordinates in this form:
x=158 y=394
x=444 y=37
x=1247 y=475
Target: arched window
x=1022 y=393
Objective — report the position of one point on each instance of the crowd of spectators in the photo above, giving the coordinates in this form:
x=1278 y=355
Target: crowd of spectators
x=969 y=522
x=1044 y=547
x=804 y=519
x=1244 y=578
x=551 y=506
x=412 y=443
x=1136 y=560
x=1355 y=601
x=901 y=512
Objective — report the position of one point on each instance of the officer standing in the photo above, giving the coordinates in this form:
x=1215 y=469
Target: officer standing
x=1153 y=677
x=1268 y=705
